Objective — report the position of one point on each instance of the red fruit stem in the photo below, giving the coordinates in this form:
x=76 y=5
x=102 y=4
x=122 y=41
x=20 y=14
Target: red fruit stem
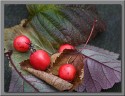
x=32 y=50
x=8 y=54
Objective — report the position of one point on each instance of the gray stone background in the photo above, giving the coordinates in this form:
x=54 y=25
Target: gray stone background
x=109 y=40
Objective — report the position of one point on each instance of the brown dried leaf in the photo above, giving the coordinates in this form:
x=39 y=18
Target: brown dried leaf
x=71 y=57
x=53 y=80
x=54 y=57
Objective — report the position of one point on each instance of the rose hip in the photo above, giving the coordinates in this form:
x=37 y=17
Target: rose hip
x=65 y=46
x=67 y=72
x=21 y=43
x=40 y=60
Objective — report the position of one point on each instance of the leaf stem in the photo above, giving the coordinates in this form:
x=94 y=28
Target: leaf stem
x=90 y=34
x=88 y=37
x=9 y=57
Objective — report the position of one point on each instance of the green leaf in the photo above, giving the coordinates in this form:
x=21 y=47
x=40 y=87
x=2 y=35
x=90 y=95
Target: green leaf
x=38 y=43
x=64 y=23
x=35 y=9
x=16 y=57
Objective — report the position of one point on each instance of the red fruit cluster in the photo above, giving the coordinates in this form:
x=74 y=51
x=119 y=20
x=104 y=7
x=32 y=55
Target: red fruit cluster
x=40 y=59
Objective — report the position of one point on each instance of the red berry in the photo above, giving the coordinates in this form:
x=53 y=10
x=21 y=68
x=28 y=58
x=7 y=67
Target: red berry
x=67 y=72
x=66 y=46
x=40 y=60
x=21 y=43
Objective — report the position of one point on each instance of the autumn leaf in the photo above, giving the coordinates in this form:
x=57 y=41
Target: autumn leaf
x=54 y=57
x=70 y=57
x=55 y=81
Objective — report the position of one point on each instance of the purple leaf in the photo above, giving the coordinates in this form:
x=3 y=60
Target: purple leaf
x=40 y=84
x=101 y=71
x=18 y=84
x=96 y=49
